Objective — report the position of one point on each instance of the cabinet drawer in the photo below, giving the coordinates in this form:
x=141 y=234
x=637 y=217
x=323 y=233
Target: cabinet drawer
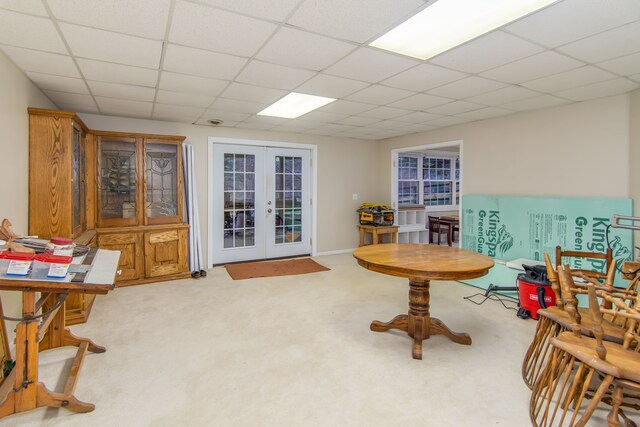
x=166 y=252
x=131 y=253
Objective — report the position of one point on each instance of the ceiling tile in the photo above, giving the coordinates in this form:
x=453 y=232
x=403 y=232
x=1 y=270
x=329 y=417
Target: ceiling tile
x=571 y=20
x=569 y=79
x=536 y=103
x=635 y=77
x=380 y=95
x=599 y=90
x=184 y=99
x=273 y=76
x=356 y=20
x=267 y=120
x=370 y=65
x=448 y=121
x=295 y=48
x=42 y=62
x=455 y=107
x=235 y=106
x=70 y=98
x=197 y=62
x=225 y=116
x=124 y=107
x=607 y=45
x=42 y=35
x=58 y=83
x=504 y=95
x=32 y=7
x=420 y=102
x=257 y=126
x=423 y=77
x=417 y=117
x=318 y=116
x=116 y=73
x=191 y=84
x=330 y=86
x=112 y=47
x=384 y=113
x=117 y=90
x=218 y=30
x=467 y=87
x=251 y=93
x=389 y=124
x=273 y=9
x=358 y=121
x=144 y=18
x=536 y=66
x=346 y=107
x=92 y=109
x=486 y=52
x=625 y=66
x=177 y=113
x=485 y=113
x=296 y=125
x=419 y=128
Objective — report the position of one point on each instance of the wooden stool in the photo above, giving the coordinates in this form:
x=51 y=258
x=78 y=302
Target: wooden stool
x=377 y=232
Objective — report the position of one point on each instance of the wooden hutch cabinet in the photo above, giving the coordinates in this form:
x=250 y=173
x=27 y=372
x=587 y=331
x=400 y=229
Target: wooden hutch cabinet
x=116 y=190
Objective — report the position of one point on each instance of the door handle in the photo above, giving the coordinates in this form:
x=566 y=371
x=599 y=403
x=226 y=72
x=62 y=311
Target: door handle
x=269 y=210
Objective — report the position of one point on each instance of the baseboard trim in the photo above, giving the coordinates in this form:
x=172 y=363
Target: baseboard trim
x=338 y=252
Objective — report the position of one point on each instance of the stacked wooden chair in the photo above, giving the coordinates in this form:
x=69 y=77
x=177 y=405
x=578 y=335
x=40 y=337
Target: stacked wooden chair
x=585 y=371
x=554 y=320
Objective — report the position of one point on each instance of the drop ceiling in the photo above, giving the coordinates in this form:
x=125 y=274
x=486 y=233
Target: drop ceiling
x=192 y=61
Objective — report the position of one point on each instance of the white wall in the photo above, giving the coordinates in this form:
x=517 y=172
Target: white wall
x=345 y=167
x=634 y=157
x=577 y=150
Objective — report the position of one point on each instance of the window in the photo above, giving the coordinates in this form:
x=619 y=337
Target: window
x=430 y=180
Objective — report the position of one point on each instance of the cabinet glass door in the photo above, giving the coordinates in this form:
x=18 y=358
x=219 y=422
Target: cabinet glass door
x=79 y=206
x=117 y=187
x=162 y=183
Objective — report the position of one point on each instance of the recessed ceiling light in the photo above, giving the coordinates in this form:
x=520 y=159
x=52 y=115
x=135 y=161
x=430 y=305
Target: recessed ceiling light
x=449 y=23
x=215 y=122
x=294 y=105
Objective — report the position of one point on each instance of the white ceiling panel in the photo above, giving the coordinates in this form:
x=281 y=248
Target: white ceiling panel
x=417 y=117
x=251 y=93
x=455 y=107
x=191 y=84
x=347 y=108
x=448 y=121
x=273 y=76
x=330 y=86
x=420 y=102
x=112 y=47
x=197 y=62
x=635 y=77
x=358 y=121
x=117 y=90
x=599 y=90
x=424 y=77
x=70 y=98
x=486 y=52
x=184 y=99
x=124 y=108
x=116 y=73
x=390 y=124
x=467 y=87
x=535 y=103
x=504 y=95
x=42 y=62
x=295 y=48
x=256 y=126
x=356 y=20
x=226 y=116
x=571 y=20
x=32 y=7
x=297 y=125
x=624 y=66
x=385 y=113
x=534 y=67
x=236 y=106
x=370 y=65
x=144 y=18
x=318 y=116
x=267 y=120
x=380 y=95
x=276 y=10
x=419 y=128
x=569 y=79
x=30 y=31
x=485 y=113
x=78 y=108
x=218 y=30
x=58 y=83
x=176 y=113
x=607 y=45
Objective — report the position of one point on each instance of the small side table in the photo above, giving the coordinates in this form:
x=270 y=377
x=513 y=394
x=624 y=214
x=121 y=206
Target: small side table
x=377 y=232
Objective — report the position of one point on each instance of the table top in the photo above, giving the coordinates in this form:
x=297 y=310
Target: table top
x=431 y=262
x=378 y=227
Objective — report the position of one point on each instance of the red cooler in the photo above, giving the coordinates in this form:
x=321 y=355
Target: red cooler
x=534 y=291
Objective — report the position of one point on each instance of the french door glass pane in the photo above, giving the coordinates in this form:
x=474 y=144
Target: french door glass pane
x=239 y=200
x=288 y=197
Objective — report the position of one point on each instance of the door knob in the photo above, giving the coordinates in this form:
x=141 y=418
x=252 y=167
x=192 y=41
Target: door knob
x=269 y=210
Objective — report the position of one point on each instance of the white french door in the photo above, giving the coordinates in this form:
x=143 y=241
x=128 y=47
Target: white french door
x=261 y=202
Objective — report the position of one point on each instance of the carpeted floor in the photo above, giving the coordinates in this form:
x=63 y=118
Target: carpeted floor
x=290 y=351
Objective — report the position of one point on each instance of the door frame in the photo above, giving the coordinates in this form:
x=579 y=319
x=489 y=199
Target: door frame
x=313 y=148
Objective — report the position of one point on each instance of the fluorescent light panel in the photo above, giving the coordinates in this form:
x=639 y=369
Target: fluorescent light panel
x=449 y=23
x=294 y=105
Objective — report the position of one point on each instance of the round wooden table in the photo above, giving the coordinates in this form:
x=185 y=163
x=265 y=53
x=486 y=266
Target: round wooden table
x=421 y=264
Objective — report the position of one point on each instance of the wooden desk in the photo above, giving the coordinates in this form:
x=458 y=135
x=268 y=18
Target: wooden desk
x=451 y=222
x=377 y=232
x=21 y=390
x=421 y=264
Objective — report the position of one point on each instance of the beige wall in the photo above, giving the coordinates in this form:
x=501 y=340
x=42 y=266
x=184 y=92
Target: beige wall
x=577 y=150
x=634 y=157
x=345 y=167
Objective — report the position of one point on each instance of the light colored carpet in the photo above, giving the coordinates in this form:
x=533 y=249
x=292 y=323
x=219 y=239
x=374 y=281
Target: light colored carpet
x=290 y=351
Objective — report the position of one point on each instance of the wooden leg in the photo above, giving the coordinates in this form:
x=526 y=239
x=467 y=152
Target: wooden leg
x=450 y=234
x=52 y=399
x=374 y=237
x=394 y=237
x=361 y=237
x=69 y=339
x=399 y=322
